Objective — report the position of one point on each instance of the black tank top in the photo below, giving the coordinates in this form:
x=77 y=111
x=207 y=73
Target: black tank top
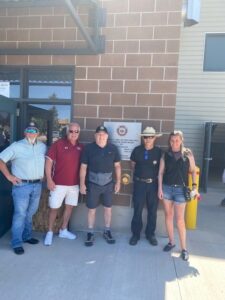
x=174 y=169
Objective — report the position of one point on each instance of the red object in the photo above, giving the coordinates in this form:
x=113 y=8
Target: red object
x=199 y=197
x=66 y=162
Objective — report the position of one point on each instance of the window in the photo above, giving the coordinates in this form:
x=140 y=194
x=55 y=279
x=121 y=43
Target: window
x=49 y=85
x=54 y=117
x=43 y=95
x=13 y=77
x=214 y=58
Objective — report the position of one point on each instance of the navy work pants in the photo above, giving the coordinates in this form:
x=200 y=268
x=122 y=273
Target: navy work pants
x=144 y=193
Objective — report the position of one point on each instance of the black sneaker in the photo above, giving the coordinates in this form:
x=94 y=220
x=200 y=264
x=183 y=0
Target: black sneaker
x=184 y=255
x=168 y=247
x=108 y=237
x=32 y=241
x=90 y=239
x=18 y=250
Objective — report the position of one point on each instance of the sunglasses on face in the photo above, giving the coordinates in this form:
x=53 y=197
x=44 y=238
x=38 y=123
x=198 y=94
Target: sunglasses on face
x=74 y=131
x=30 y=130
x=148 y=137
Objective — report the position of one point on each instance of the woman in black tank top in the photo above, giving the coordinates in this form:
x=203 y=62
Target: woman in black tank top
x=175 y=165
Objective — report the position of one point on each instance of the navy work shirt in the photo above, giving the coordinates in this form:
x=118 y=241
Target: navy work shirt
x=146 y=162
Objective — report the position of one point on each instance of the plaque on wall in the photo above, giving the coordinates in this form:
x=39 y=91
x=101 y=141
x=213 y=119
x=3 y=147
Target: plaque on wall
x=125 y=135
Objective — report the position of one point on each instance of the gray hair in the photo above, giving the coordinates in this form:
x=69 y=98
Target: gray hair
x=70 y=125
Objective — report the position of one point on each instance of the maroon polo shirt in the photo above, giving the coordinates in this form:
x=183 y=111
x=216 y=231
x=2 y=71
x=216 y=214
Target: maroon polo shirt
x=66 y=162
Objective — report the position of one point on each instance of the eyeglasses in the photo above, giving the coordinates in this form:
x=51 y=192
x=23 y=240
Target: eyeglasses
x=74 y=131
x=149 y=137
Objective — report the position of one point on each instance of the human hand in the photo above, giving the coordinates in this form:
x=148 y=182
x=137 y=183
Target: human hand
x=15 y=180
x=117 y=187
x=83 y=189
x=51 y=184
x=160 y=194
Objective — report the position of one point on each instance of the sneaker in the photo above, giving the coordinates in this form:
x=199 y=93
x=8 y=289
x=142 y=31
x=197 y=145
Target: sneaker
x=90 y=239
x=48 y=238
x=184 y=255
x=108 y=237
x=18 y=250
x=64 y=233
x=168 y=247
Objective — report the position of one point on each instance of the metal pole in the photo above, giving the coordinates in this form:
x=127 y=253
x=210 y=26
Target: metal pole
x=80 y=25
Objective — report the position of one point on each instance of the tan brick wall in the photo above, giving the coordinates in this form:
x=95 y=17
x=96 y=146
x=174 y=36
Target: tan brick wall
x=135 y=80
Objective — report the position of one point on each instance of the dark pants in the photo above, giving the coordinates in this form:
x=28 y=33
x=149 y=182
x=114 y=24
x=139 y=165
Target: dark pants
x=144 y=193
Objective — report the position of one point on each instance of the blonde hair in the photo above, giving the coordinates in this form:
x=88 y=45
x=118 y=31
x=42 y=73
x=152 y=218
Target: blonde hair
x=180 y=134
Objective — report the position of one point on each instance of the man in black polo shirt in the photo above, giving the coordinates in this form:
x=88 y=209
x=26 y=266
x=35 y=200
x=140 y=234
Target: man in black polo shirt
x=145 y=164
x=98 y=162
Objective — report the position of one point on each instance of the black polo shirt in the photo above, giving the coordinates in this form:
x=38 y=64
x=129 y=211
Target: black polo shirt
x=100 y=160
x=146 y=162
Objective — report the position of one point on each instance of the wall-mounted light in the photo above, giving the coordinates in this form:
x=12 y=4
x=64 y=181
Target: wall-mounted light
x=191 y=12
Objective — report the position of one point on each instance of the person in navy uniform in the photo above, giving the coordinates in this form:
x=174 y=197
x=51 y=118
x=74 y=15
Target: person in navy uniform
x=145 y=161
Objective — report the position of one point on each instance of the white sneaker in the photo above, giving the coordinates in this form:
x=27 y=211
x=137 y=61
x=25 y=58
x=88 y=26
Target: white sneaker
x=48 y=238
x=64 y=233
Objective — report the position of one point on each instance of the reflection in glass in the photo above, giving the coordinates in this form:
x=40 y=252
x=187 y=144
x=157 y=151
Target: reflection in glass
x=50 y=119
x=50 y=84
x=4 y=130
x=13 y=77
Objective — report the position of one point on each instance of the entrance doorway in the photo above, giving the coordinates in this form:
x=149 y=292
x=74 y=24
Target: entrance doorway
x=213 y=156
x=7 y=136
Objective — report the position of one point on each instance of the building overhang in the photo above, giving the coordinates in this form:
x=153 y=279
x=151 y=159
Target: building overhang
x=95 y=43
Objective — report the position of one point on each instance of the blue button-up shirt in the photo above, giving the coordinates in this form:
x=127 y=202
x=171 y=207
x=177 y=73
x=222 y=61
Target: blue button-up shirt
x=27 y=160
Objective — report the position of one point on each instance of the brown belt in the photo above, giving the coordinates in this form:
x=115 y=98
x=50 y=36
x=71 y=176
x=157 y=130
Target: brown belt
x=146 y=180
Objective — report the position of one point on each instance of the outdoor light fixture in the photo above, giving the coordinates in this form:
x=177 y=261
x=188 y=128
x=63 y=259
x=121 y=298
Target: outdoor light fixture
x=191 y=12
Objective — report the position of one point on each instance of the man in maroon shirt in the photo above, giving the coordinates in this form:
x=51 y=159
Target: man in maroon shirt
x=62 y=171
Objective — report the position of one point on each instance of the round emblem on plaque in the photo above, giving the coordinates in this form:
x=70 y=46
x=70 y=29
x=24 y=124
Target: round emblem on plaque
x=122 y=130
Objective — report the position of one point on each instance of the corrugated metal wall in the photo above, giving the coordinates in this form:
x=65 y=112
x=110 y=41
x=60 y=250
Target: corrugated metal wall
x=200 y=95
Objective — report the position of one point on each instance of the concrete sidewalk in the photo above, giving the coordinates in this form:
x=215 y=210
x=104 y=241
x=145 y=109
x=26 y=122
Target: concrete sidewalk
x=69 y=270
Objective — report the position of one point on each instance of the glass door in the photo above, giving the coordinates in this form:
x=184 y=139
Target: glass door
x=7 y=136
x=50 y=119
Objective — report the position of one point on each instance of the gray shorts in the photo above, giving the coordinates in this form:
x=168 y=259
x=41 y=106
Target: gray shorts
x=96 y=193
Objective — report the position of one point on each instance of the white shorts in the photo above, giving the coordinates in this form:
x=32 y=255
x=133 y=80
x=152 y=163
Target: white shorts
x=61 y=192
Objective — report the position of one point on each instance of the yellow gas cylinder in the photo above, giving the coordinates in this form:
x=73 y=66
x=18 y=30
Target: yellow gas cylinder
x=192 y=206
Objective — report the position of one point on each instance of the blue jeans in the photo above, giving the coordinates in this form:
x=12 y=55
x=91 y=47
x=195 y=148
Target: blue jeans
x=174 y=193
x=26 y=198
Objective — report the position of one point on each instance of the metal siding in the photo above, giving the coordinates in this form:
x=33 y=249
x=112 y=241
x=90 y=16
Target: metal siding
x=200 y=95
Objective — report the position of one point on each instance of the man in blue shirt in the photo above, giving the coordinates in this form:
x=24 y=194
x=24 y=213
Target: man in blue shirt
x=98 y=161
x=27 y=158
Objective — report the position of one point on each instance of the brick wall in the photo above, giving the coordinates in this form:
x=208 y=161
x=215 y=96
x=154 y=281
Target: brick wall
x=135 y=80
x=137 y=76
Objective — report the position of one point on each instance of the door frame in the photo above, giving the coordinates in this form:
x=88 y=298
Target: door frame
x=6 y=206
